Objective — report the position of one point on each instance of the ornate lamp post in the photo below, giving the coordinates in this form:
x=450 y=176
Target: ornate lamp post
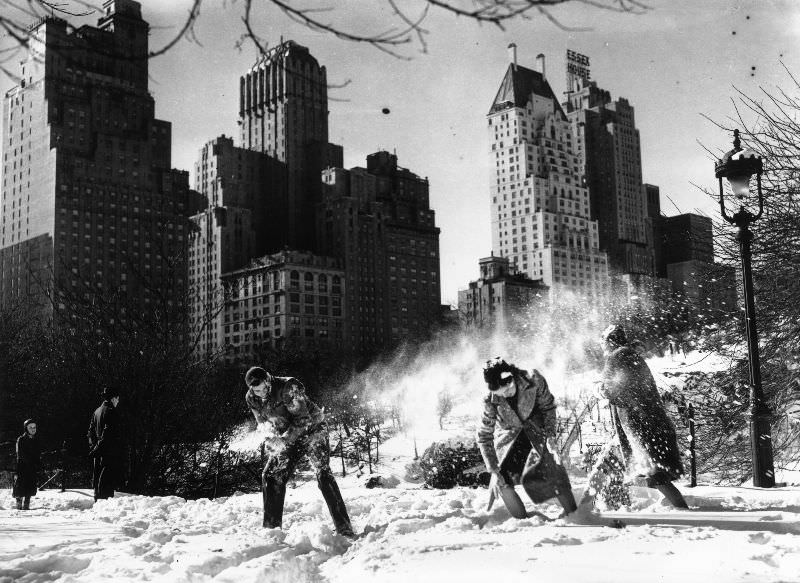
x=738 y=166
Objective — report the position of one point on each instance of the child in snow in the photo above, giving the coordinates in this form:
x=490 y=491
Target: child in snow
x=523 y=451
x=28 y=462
x=294 y=426
x=648 y=445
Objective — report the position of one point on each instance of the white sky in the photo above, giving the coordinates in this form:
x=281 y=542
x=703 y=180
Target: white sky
x=675 y=62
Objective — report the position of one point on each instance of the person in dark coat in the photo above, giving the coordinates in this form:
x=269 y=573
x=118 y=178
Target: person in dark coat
x=523 y=451
x=106 y=446
x=648 y=443
x=28 y=463
x=294 y=427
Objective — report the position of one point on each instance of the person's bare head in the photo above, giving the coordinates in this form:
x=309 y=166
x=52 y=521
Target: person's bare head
x=259 y=381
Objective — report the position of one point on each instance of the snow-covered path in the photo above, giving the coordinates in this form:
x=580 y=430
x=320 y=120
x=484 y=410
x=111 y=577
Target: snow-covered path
x=735 y=535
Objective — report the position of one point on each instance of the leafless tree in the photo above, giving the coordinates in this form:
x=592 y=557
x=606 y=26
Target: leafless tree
x=404 y=33
x=769 y=123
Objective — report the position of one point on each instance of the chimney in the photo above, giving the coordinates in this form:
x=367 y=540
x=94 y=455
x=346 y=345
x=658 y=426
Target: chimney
x=540 y=64
x=512 y=54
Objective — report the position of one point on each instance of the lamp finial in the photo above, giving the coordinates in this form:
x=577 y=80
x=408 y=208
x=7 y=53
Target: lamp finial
x=737 y=144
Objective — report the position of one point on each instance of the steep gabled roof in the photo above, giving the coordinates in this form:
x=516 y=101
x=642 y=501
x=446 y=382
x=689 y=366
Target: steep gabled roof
x=516 y=87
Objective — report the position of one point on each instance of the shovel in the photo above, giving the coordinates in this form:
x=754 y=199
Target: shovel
x=510 y=498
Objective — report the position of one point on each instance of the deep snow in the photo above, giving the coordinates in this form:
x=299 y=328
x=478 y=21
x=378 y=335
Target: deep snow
x=408 y=533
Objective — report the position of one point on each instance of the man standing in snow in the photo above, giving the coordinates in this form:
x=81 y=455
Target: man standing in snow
x=294 y=427
x=106 y=446
x=647 y=439
x=524 y=450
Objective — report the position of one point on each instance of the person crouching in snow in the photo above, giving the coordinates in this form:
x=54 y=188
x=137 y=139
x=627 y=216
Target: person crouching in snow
x=28 y=462
x=295 y=427
x=645 y=436
x=523 y=451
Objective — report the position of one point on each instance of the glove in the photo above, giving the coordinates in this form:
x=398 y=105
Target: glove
x=497 y=481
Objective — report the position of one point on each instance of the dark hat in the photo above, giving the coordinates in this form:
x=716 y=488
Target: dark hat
x=255 y=375
x=615 y=335
x=109 y=393
x=496 y=372
x=27 y=422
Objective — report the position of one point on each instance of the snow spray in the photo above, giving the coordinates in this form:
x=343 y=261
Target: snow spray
x=561 y=340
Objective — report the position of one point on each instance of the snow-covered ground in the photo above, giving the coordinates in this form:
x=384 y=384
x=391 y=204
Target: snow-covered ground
x=407 y=533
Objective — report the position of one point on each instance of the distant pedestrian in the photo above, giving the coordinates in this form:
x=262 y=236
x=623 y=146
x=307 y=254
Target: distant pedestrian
x=523 y=450
x=645 y=444
x=28 y=464
x=106 y=446
x=294 y=428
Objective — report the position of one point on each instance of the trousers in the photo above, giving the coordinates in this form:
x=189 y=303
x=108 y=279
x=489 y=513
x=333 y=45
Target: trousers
x=281 y=466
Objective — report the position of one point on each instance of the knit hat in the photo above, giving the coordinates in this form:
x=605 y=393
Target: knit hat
x=614 y=334
x=27 y=422
x=255 y=375
x=497 y=372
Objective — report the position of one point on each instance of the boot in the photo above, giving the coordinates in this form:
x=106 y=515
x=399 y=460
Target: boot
x=673 y=495
x=567 y=501
x=333 y=498
x=274 y=493
x=26 y=504
x=19 y=503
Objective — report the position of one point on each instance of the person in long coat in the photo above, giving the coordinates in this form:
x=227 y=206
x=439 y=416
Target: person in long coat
x=294 y=427
x=28 y=463
x=647 y=440
x=106 y=446
x=516 y=438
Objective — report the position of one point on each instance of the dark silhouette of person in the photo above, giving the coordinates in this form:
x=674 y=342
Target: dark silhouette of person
x=28 y=464
x=106 y=446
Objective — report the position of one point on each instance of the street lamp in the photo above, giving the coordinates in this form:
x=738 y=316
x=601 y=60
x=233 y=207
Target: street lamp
x=738 y=166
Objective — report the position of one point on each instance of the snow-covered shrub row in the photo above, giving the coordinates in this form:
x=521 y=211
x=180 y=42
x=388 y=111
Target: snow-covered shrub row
x=454 y=462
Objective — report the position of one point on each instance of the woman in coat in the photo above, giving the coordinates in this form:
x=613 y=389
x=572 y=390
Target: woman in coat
x=28 y=462
x=647 y=438
x=523 y=410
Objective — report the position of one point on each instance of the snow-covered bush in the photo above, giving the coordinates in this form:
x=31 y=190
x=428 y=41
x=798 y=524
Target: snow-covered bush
x=454 y=462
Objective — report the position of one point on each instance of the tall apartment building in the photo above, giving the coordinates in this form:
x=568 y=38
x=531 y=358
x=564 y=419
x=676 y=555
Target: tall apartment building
x=655 y=236
x=287 y=297
x=89 y=201
x=378 y=220
x=283 y=112
x=499 y=297
x=687 y=261
x=686 y=237
x=609 y=151
x=539 y=206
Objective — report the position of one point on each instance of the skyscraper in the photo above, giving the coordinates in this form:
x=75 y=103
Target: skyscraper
x=284 y=194
x=283 y=112
x=539 y=206
x=378 y=220
x=609 y=149
x=90 y=204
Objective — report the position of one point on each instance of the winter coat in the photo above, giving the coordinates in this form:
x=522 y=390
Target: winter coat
x=535 y=415
x=28 y=463
x=286 y=414
x=105 y=432
x=646 y=434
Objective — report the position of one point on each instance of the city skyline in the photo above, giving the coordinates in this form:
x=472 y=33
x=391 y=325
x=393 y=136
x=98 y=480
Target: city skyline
x=677 y=59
